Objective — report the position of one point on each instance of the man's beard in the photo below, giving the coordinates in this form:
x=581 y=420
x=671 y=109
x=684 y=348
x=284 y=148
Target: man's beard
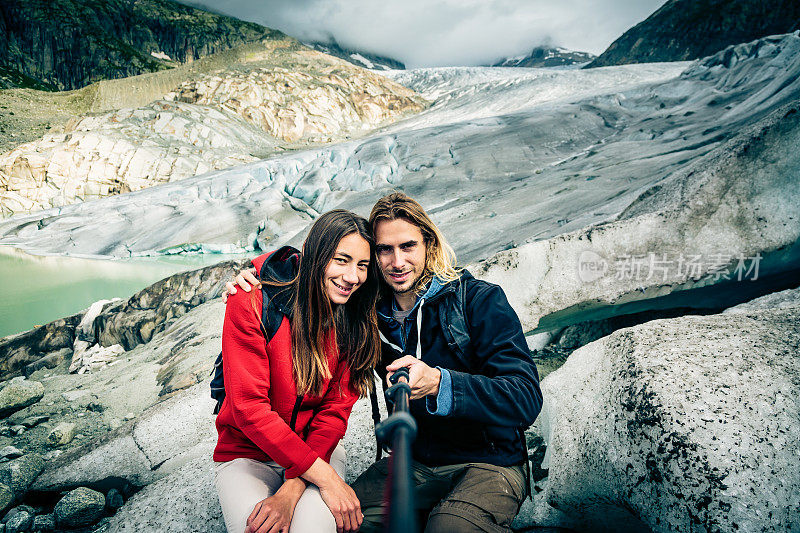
x=414 y=286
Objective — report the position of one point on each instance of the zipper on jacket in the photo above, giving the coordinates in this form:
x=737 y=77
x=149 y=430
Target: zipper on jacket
x=295 y=411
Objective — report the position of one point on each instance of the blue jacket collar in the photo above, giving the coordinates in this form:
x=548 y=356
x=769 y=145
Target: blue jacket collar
x=387 y=305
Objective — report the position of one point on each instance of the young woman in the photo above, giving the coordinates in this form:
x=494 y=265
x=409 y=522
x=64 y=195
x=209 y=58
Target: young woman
x=278 y=463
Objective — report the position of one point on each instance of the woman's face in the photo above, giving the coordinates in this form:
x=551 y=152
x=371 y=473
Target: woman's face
x=347 y=271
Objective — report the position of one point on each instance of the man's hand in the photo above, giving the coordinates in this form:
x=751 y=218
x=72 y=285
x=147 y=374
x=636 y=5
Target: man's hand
x=424 y=380
x=274 y=514
x=244 y=279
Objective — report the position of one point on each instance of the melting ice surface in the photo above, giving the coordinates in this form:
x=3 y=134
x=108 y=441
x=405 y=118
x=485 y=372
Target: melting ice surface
x=503 y=156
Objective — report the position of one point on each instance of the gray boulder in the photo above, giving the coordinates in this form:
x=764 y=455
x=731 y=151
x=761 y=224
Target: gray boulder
x=79 y=507
x=6 y=497
x=21 y=521
x=18 y=394
x=44 y=522
x=185 y=501
x=20 y=473
x=28 y=346
x=687 y=424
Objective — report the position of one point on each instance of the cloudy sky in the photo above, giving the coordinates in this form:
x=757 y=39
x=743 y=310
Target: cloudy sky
x=425 y=33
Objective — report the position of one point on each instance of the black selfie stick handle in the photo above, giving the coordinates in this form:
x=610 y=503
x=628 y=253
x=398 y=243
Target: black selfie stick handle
x=399 y=429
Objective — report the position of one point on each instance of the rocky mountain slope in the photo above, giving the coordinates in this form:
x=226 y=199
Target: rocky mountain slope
x=357 y=57
x=543 y=56
x=230 y=108
x=67 y=44
x=681 y=30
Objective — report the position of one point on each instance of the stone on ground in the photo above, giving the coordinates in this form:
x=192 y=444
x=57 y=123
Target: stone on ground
x=18 y=394
x=80 y=507
x=19 y=474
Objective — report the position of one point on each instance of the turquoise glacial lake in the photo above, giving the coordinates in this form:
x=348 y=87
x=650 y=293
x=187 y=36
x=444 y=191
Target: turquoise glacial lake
x=39 y=289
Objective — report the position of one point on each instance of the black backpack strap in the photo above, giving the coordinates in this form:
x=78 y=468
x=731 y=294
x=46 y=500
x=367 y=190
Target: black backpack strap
x=276 y=303
x=217 y=384
x=527 y=464
x=376 y=419
x=454 y=323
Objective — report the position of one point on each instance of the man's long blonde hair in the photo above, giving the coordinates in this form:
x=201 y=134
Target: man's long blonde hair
x=440 y=259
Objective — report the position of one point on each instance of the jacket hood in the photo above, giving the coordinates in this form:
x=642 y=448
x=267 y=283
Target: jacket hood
x=280 y=265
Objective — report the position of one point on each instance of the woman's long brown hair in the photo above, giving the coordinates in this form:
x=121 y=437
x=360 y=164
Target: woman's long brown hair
x=355 y=322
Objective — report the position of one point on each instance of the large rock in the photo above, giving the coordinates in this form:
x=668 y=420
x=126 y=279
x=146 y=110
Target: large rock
x=186 y=500
x=42 y=341
x=151 y=310
x=163 y=385
x=787 y=299
x=20 y=522
x=79 y=507
x=687 y=424
x=18 y=474
x=18 y=394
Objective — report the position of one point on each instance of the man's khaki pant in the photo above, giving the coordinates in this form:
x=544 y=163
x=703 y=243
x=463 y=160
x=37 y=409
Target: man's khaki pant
x=462 y=497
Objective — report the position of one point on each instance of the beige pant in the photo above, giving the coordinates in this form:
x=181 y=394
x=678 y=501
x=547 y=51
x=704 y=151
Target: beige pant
x=242 y=483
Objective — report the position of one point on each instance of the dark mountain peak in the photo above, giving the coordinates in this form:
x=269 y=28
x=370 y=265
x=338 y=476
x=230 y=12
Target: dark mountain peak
x=682 y=30
x=546 y=56
x=67 y=44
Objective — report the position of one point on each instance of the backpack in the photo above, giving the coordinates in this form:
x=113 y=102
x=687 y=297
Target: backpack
x=272 y=313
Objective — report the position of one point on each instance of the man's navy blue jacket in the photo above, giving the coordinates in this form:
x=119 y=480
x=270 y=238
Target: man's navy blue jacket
x=495 y=385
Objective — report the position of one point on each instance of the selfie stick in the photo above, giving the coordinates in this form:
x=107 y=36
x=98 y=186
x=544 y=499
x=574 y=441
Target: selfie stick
x=400 y=429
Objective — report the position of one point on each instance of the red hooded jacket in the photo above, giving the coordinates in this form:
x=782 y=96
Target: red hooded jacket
x=253 y=421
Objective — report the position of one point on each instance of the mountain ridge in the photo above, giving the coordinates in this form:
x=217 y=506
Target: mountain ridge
x=546 y=56
x=68 y=44
x=672 y=32
x=360 y=58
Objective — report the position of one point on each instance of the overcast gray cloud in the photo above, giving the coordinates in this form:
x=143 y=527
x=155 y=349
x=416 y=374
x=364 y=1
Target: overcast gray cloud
x=447 y=32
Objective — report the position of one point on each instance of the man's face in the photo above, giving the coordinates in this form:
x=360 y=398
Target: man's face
x=401 y=253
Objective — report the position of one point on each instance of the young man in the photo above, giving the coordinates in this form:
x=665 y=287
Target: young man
x=472 y=405
x=471 y=408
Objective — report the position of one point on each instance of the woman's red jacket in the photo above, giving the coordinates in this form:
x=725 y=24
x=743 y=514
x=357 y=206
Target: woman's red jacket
x=260 y=394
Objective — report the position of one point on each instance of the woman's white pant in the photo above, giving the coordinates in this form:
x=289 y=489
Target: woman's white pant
x=242 y=483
